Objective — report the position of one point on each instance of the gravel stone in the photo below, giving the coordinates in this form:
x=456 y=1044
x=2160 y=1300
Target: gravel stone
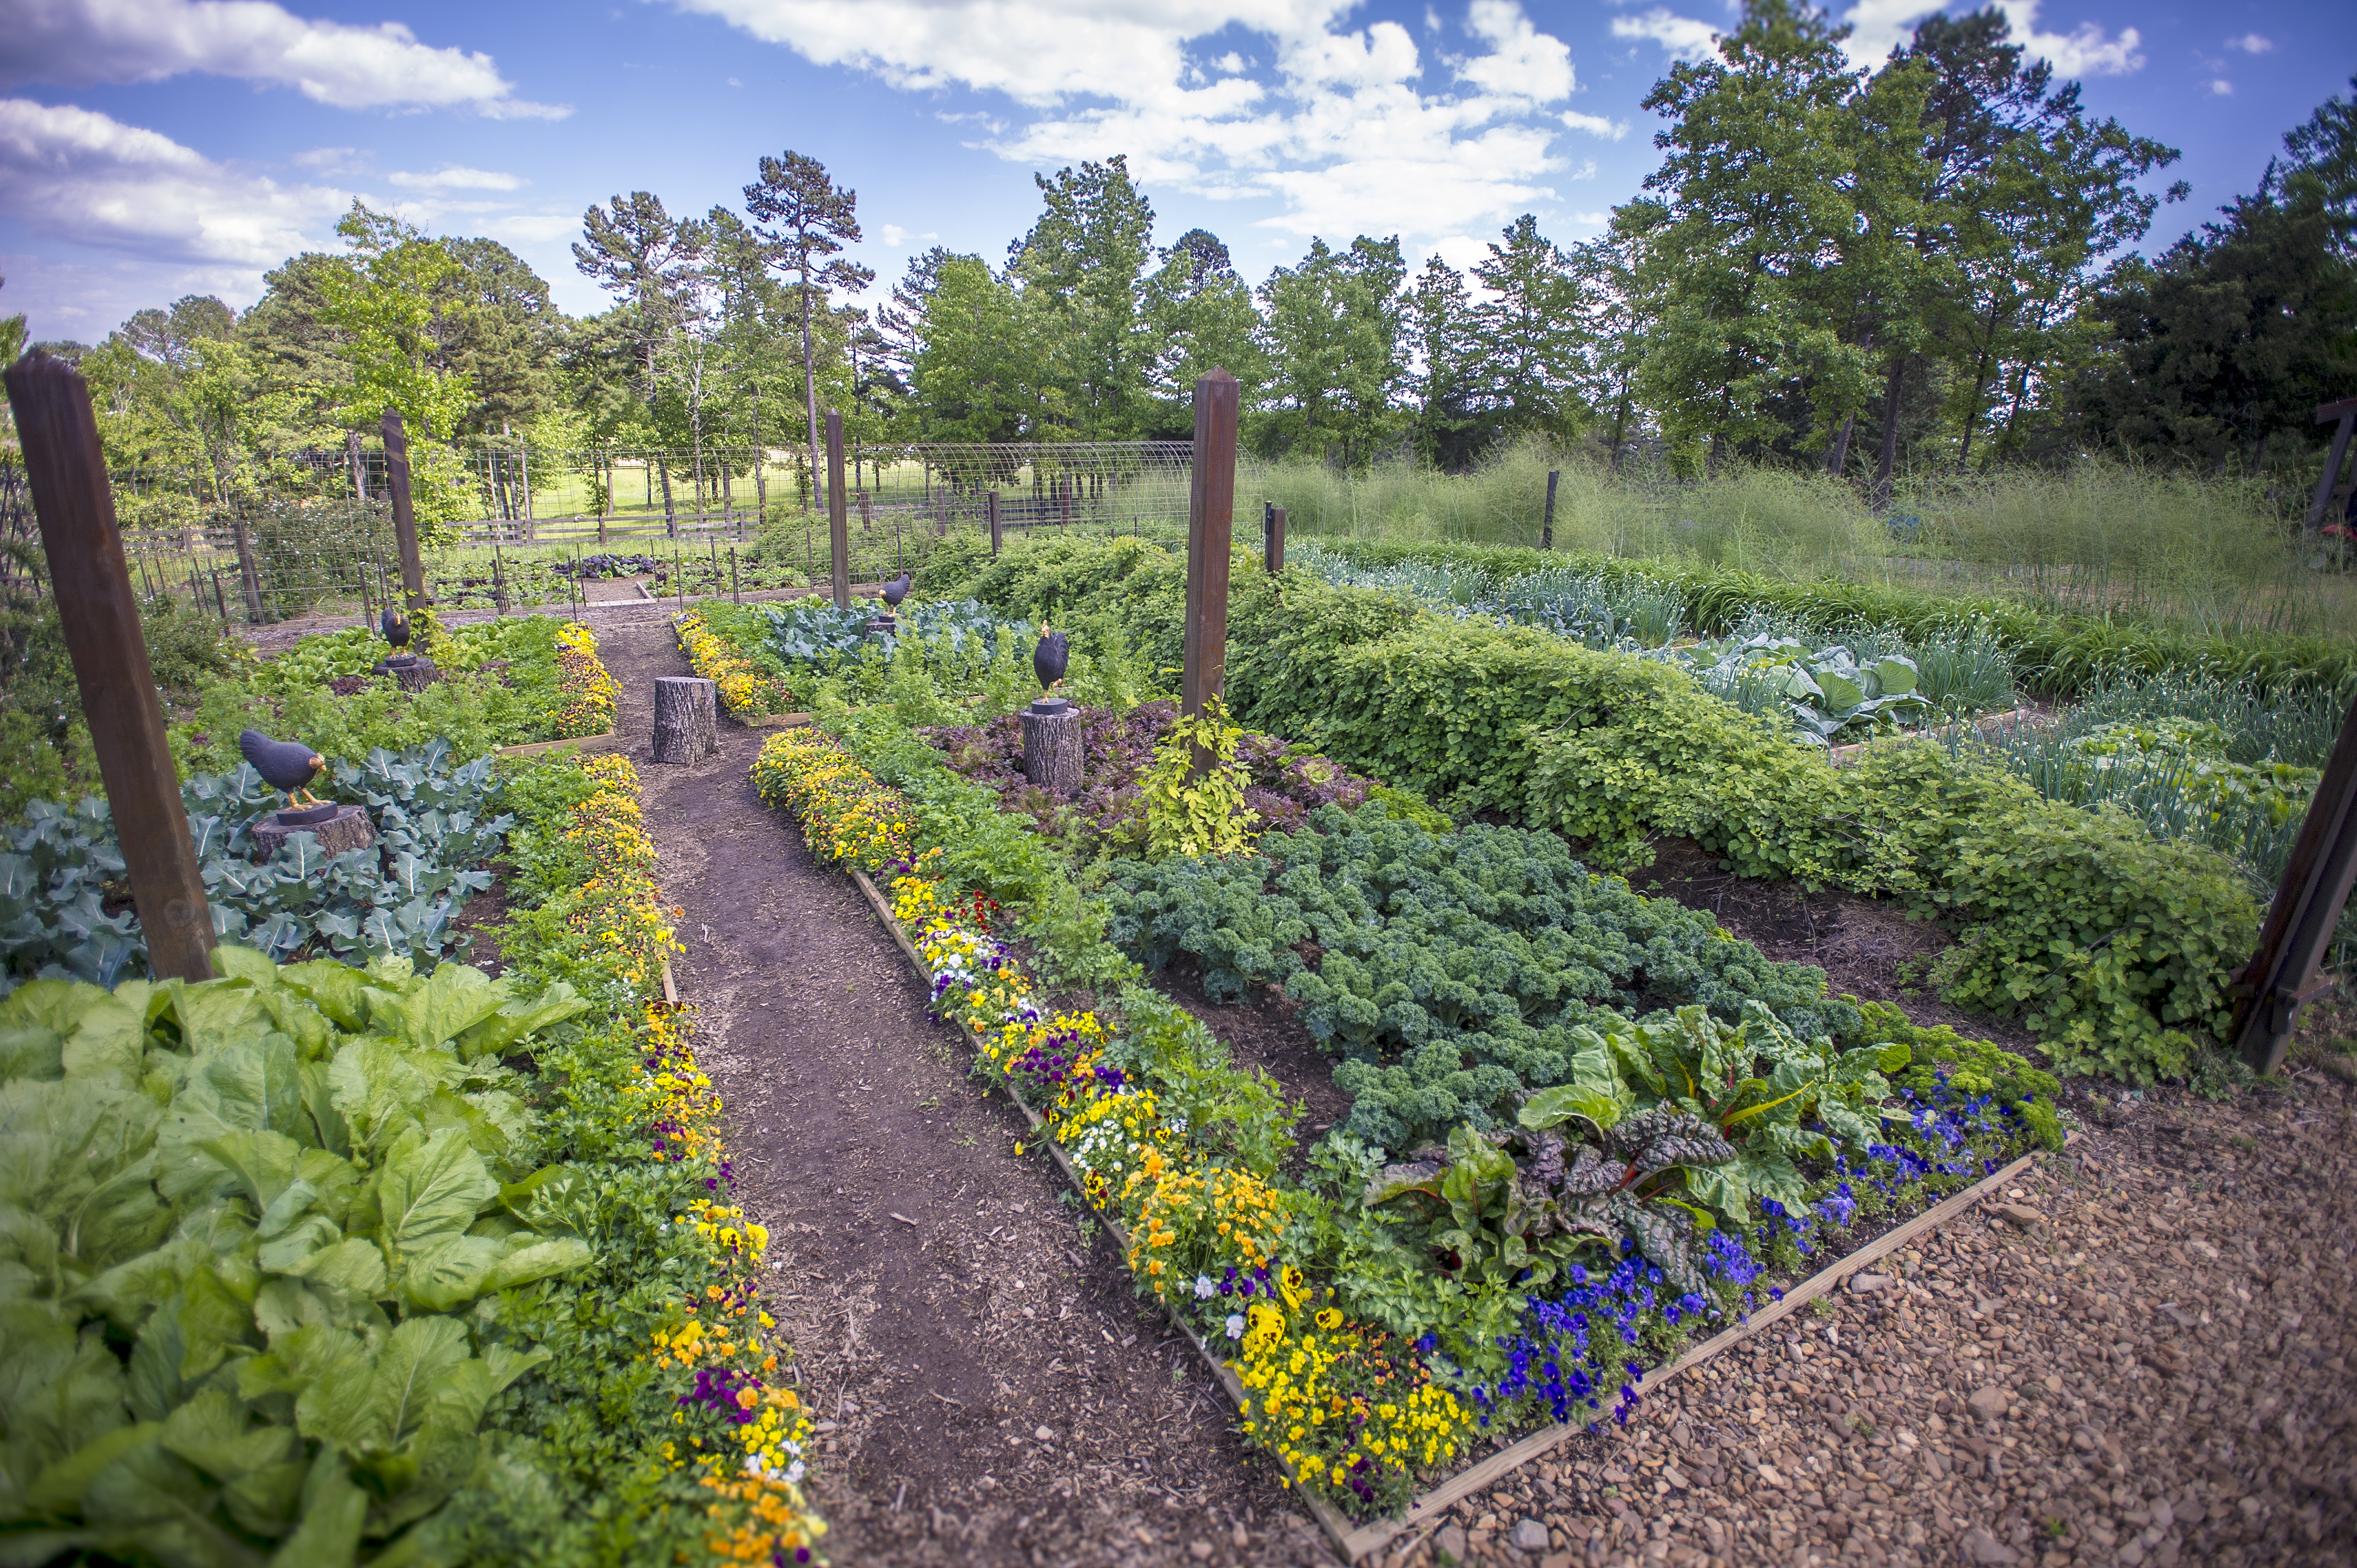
x=1529 y=1535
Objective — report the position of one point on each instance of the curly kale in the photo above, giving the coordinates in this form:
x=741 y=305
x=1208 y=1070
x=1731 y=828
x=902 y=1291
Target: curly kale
x=1452 y=971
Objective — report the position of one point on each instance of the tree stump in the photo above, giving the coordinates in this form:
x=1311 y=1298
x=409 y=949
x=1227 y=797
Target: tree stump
x=687 y=718
x=410 y=672
x=342 y=829
x=1051 y=747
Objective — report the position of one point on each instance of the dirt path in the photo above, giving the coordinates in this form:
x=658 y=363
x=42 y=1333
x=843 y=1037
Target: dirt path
x=992 y=1393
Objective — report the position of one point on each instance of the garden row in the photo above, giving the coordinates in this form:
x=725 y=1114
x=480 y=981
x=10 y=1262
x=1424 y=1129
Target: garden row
x=2111 y=945
x=1582 y=1122
x=380 y=1260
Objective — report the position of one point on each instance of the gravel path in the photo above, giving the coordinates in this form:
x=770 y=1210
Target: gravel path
x=2153 y=1369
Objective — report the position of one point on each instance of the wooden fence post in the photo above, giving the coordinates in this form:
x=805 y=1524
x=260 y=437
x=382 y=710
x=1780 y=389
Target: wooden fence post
x=838 y=515
x=1272 y=529
x=100 y=615
x=990 y=511
x=1211 y=526
x=405 y=520
x=249 y=574
x=1546 y=528
x=2282 y=979
x=2344 y=414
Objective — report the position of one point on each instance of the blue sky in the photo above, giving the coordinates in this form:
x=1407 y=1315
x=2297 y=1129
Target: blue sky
x=151 y=148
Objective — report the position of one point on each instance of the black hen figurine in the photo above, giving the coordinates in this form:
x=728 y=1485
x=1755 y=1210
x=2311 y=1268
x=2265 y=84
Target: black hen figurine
x=896 y=590
x=396 y=627
x=1050 y=657
x=287 y=765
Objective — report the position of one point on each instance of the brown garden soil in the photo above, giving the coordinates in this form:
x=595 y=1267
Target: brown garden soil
x=992 y=1388
x=2153 y=1369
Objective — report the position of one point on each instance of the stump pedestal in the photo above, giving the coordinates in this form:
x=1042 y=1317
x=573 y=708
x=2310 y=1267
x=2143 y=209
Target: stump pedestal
x=687 y=718
x=1051 y=746
x=410 y=672
x=339 y=829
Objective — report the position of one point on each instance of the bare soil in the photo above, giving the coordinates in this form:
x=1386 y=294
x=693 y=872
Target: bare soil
x=1869 y=948
x=992 y=1390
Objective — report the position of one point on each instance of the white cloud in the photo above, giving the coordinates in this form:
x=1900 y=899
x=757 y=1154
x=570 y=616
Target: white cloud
x=456 y=178
x=1877 y=27
x=1347 y=138
x=84 y=177
x=328 y=160
x=1595 y=124
x=2251 y=43
x=893 y=235
x=1683 y=37
x=1522 y=62
x=1598 y=219
x=1230 y=62
x=2085 y=51
x=2222 y=88
x=80 y=43
x=534 y=227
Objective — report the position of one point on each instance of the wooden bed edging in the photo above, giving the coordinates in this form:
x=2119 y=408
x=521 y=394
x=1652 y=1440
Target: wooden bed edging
x=1424 y=1510
x=533 y=748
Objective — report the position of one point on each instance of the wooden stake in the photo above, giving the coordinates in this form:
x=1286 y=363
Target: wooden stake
x=1272 y=525
x=100 y=616
x=1211 y=526
x=404 y=520
x=990 y=511
x=736 y=585
x=838 y=518
x=2282 y=979
x=1546 y=528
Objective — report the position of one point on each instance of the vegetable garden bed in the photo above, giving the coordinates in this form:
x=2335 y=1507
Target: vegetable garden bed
x=1170 y=1144
x=316 y=1182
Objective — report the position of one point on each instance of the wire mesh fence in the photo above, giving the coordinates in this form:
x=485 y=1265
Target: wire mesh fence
x=513 y=526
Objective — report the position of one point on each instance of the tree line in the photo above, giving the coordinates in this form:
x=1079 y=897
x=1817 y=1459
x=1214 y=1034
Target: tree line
x=1928 y=264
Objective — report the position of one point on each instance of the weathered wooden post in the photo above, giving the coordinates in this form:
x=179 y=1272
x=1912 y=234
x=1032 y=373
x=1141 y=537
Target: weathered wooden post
x=838 y=516
x=249 y=574
x=2344 y=415
x=687 y=721
x=100 y=615
x=1211 y=527
x=1546 y=528
x=2317 y=881
x=1272 y=537
x=990 y=511
x=405 y=520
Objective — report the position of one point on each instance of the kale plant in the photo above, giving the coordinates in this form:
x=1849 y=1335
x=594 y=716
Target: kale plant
x=1452 y=971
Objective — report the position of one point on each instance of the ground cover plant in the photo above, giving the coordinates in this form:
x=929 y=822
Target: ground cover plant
x=1385 y=1314
x=247 y=1219
x=504 y=683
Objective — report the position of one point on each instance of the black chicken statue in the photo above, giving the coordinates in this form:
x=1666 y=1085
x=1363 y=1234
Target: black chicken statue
x=291 y=766
x=896 y=590
x=888 y=623
x=1050 y=658
x=411 y=671
x=287 y=765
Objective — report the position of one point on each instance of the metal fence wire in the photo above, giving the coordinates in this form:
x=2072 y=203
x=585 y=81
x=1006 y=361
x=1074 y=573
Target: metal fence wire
x=314 y=532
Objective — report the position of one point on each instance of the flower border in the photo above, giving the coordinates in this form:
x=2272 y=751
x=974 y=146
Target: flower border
x=747 y=691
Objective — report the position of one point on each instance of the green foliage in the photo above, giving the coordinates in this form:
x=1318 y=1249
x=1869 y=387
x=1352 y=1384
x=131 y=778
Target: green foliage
x=1454 y=970
x=502 y=685
x=1204 y=816
x=242 y=1219
x=1831 y=692
x=1776 y=1100
x=1939 y=1053
x=397 y=896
